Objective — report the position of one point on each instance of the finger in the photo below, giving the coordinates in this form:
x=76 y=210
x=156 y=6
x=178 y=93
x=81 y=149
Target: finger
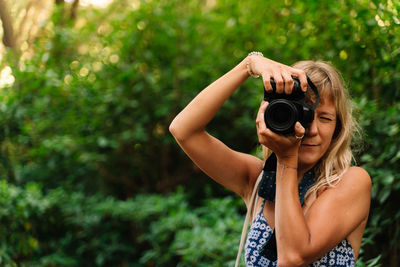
x=265 y=135
x=289 y=83
x=260 y=115
x=267 y=82
x=299 y=130
x=301 y=75
x=279 y=82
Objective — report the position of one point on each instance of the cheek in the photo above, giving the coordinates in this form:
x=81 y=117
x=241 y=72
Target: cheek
x=327 y=136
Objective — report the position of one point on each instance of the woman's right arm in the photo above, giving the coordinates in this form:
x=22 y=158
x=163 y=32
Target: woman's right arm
x=234 y=170
x=230 y=168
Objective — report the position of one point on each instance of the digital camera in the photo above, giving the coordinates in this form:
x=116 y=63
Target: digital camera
x=284 y=110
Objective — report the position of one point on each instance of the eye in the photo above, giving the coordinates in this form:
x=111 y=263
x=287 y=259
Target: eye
x=326 y=118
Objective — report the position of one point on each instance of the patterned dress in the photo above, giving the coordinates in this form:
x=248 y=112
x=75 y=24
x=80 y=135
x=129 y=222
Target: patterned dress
x=260 y=232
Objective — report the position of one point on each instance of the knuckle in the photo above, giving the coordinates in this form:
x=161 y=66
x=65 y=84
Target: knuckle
x=301 y=72
x=263 y=132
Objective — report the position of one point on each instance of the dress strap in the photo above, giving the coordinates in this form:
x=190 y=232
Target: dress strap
x=262 y=203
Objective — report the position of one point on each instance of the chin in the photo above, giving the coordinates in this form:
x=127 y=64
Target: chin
x=308 y=159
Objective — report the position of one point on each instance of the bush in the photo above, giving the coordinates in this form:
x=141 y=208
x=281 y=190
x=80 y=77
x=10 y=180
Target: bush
x=59 y=229
x=189 y=236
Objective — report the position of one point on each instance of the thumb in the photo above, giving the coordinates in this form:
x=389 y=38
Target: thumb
x=299 y=129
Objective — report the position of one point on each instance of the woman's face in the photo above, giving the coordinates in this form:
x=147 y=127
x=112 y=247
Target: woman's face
x=319 y=135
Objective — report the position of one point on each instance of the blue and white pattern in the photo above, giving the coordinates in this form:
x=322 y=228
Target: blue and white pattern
x=260 y=232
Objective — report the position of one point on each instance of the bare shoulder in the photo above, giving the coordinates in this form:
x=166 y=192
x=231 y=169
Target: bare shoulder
x=354 y=186
x=255 y=168
x=357 y=177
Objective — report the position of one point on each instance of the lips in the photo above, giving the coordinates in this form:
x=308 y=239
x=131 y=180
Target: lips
x=309 y=145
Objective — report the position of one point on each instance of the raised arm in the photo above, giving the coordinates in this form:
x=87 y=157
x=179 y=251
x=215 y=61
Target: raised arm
x=232 y=169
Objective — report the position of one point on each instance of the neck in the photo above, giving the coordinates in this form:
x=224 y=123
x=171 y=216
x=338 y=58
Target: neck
x=302 y=169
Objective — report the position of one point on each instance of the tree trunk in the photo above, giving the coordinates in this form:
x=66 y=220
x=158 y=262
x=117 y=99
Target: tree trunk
x=8 y=38
x=74 y=9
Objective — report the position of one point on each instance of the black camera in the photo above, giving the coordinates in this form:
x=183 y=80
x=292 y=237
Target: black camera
x=285 y=110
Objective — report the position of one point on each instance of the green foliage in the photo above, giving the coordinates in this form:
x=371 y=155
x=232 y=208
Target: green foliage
x=85 y=125
x=63 y=229
x=78 y=230
x=381 y=158
x=188 y=236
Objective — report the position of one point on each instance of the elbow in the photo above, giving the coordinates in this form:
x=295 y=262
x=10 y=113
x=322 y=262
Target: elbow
x=176 y=132
x=182 y=132
x=291 y=260
x=173 y=128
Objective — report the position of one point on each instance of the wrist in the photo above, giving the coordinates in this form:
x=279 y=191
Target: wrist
x=250 y=65
x=283 y=166
x=290 y=162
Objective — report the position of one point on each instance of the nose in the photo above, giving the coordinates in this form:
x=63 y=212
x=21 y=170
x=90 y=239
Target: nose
x=312 y=130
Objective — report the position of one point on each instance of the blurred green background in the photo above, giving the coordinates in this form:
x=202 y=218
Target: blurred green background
x=90 y=175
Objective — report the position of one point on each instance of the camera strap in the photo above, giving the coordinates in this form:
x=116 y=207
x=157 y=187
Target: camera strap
x=267 y=186
x=314 y=88
x=267 y=190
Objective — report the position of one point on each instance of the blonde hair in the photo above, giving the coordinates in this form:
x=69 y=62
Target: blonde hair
x=338 y=157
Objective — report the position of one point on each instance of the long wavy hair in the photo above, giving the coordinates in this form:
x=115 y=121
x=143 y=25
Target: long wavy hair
x=337 y=159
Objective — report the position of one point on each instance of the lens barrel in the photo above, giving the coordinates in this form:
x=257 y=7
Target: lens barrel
x=281 y=116
x=284 y=110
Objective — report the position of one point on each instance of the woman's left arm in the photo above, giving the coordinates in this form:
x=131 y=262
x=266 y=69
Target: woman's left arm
x=334 y=215
x=337 y=212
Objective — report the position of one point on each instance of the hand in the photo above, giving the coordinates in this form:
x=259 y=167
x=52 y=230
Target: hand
x=286 y=148
x=281 y=73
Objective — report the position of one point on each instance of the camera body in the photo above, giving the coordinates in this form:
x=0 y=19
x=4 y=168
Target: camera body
x=285 y=110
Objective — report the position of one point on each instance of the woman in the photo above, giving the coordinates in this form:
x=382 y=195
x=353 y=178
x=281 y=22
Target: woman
x=326 y=226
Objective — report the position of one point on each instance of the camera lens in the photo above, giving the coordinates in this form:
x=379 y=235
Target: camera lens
x=280 y=116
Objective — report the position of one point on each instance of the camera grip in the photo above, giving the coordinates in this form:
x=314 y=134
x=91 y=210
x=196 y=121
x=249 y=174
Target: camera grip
x=296 y=93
